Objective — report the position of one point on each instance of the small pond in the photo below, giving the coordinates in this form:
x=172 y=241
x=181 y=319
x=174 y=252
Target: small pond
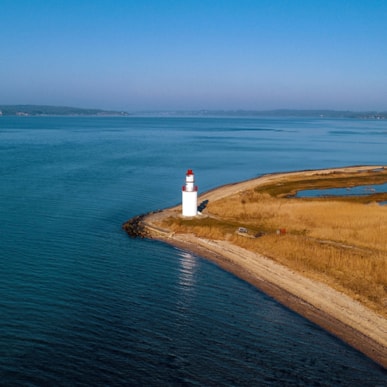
x=355 y=191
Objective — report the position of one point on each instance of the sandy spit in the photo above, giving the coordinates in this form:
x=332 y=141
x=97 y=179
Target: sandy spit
x=335 y=312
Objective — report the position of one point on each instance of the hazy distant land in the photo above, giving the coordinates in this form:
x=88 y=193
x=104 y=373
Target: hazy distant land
x=46 y=110
x=298 y=113
x=285 y=113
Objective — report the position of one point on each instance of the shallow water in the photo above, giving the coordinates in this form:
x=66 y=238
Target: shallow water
x=349 y=191
x=82 y=304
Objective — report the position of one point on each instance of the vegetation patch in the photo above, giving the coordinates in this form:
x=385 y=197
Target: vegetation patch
x=340 y=241
x=203 y=227
x=289 y=186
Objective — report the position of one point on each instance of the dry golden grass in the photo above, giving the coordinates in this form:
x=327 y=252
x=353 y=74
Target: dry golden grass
x=208 y=227
x=342 y=243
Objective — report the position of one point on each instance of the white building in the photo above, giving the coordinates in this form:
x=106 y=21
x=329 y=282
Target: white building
x=189 y=195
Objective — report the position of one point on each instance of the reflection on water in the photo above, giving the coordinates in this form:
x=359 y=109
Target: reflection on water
x=187 y=271
x=187 y=279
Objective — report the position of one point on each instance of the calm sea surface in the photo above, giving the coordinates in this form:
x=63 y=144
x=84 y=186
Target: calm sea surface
x=81 y=304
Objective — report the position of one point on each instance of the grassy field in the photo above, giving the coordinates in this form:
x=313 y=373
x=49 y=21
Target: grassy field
x=340 y=241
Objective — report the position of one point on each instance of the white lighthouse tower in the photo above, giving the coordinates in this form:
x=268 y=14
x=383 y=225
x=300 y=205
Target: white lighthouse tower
x=190 y=195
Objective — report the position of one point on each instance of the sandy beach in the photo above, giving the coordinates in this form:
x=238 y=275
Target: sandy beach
x=335 y=312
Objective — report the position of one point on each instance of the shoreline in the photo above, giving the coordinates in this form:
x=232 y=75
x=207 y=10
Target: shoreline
x=338 y=314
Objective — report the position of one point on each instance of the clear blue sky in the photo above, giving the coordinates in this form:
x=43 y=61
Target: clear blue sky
x=199 y=54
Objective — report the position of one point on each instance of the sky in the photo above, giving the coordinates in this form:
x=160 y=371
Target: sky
x=195 y=54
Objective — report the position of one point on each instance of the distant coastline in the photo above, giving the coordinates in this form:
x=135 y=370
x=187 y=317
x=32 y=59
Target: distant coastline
x=47 y=110
x=279 y=113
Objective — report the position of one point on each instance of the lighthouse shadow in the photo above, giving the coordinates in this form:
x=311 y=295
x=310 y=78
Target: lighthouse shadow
x=202 y=205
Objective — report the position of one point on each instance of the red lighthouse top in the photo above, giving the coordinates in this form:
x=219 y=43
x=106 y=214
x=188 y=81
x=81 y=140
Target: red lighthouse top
x=190 y=182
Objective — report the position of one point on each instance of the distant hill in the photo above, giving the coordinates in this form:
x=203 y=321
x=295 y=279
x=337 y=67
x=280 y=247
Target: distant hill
x=43 y=110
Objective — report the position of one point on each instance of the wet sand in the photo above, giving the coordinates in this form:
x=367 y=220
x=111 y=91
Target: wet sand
x=335 y=312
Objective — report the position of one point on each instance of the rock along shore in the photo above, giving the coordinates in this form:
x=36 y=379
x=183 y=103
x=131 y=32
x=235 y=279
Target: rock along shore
x=335 y=312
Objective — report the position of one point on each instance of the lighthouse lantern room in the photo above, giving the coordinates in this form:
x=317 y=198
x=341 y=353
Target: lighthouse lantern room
x=189 y=195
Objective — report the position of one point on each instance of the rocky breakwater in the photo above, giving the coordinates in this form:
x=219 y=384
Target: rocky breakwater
x=137 y=227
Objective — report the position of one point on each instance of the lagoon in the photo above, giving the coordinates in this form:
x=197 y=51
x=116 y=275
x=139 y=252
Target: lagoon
x=359 y=190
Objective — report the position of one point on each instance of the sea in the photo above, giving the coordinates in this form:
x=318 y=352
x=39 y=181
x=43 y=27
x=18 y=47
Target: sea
x=82 y=304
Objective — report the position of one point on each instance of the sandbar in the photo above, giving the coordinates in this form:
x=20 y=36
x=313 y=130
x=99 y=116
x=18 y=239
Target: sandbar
x=340 y=315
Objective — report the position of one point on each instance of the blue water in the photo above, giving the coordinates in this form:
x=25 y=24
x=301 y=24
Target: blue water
x=359 y=190
x=81 y=304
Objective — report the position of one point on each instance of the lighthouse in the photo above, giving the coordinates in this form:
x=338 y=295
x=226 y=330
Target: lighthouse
x=189 y=195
